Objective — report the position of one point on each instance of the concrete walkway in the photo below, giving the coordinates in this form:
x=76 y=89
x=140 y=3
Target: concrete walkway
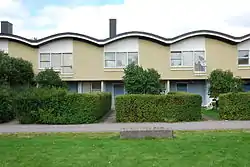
x=116 y=127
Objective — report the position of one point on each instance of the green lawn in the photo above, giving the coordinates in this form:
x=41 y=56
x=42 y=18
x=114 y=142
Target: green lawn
x=214 y=114
x=196 y=149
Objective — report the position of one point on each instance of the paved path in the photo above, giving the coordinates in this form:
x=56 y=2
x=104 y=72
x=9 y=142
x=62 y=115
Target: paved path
x=110 y=117
x=116 y=127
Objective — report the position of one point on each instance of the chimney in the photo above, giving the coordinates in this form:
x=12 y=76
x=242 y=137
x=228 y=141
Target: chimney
x=6 y=27
x=112 y=28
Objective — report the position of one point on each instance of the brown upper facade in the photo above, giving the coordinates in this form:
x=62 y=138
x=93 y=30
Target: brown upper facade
x=79 y=57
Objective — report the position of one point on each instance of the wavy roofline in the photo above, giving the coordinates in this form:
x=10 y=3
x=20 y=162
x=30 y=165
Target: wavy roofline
x=168 y=41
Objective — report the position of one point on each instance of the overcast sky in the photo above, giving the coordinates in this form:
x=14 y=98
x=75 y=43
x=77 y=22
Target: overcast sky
x=168 y=18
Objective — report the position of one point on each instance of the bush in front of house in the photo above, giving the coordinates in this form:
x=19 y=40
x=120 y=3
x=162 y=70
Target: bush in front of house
x=234 y=106
x=173 y=107
x=49 y=79
x=223 y=81
x=15 y=72
x=57 y=106
x=141 y=81
x=6 y=110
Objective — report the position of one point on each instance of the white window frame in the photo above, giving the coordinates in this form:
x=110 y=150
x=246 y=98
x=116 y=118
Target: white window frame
x=182 y=59
x=242 y=65
x=55 y=69
x=115 y=58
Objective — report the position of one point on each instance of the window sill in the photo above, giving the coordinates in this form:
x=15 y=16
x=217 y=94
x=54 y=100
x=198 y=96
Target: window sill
x=113 y=69
x=200 y=73
x=66 y=75
x=243 y=67
x=182 y=68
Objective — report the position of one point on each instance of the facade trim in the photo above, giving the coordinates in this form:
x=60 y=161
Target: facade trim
x=168 y=41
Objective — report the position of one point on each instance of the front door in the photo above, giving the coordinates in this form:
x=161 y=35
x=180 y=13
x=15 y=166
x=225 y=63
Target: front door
x=118 y=90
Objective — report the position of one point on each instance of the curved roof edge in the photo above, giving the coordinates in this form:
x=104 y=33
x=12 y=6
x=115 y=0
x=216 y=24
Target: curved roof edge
x=215 y=34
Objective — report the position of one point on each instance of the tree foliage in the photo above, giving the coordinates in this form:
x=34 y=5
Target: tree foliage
x=49 y=79
x=223 y=82
x=15 y=71
x=141 y=81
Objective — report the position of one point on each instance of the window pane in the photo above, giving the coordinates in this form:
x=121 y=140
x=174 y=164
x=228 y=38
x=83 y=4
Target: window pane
x=133 y=57
x=109 y=63
x=243 y=61
x=176 y=59
x=44 y=57
x=44 y=64
x=96 y=86
x=67 y=59
x=56 y=60
x=199 y=61
x=67 y=63
x=243 y=54
x=181 y=87
x=187 y=58
x=110 y=56
x=121 y=59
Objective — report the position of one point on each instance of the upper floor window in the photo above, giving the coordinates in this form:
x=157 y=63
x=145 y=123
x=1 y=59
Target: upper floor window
x=58 y=61
x=243 y=57
x=194 y=59
x=120 y=59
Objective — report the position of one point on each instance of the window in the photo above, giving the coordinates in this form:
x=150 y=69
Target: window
x=132 y=57
x=95 y=87
x=176 y=59
x=185 y=58
x=57 y=61
x=181 y=87
x=120 y=59
x=199 y=61
x=243 y=57
x=44 y=60
x=109 y=59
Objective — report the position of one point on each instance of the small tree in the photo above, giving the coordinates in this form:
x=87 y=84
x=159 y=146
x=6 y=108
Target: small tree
x=49 y=79
x=223 y=82
x=15 y=71
x=140 y=81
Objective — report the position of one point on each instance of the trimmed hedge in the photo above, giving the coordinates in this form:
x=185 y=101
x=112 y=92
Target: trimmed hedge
x=57 y=106
x=234 y=106
x=173 y=107
x=6 y=110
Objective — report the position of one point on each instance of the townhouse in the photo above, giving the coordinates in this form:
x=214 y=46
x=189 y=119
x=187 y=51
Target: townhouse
x=88 y=64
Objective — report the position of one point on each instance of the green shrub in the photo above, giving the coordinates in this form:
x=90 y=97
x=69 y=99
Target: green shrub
x=172 y=107
x=57 y=106
x=141 y=81
x=234 y=106
x=15 y=71
x=6 y=110
x=49 y=79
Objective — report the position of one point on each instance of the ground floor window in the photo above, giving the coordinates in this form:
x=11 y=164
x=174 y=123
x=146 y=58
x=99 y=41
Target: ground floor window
x=96 y=87
x=181 y=87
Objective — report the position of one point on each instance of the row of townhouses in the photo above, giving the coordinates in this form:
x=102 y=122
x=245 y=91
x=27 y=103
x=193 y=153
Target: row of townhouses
x=88 y=64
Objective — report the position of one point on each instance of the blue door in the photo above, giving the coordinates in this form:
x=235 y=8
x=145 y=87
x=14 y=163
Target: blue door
x=118 y=90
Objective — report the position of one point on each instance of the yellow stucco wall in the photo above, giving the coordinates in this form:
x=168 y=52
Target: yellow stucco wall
x=89 y=63
x=220 y=55
x=20 y=50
